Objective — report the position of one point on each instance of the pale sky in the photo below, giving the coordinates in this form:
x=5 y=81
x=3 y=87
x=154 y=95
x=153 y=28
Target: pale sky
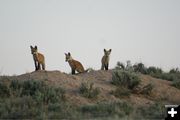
x=145 y=31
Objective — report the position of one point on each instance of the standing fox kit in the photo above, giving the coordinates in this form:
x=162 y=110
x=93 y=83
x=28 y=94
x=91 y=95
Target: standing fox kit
x=38 y=58
x=74 y=64
x=105 y=59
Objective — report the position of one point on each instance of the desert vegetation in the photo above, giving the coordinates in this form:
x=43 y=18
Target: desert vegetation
x=155 y=111
x=172 y=75
x=28 y=99
x=125 y=92
x=87 y=90
x=125 y=78
x=106 y=110
x=121 y=92
x=33 y=99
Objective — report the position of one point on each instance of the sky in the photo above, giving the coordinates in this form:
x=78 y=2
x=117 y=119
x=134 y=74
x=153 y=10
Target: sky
x=145 y=31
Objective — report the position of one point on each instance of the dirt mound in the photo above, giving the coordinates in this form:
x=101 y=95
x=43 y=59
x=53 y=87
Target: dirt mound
x=162 y=89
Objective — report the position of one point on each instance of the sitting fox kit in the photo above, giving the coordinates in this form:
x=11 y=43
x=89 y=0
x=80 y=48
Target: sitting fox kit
x=74 y=64
x=39 y=59
x=105 y=59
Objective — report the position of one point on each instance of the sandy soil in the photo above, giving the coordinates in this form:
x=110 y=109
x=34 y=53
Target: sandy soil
x=162 y=90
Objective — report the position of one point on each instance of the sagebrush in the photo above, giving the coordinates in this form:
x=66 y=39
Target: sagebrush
x=87 y=90
x=125 y=78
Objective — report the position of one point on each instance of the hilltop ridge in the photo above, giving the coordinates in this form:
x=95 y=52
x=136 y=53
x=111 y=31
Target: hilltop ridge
x=37 y=95
x=102 y=79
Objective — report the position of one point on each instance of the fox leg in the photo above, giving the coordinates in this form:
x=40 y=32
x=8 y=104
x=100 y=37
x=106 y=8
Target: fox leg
x=36 y=67
x=73 y=71
x=35 y=63
x=43 y=66
x=106 y=66
x=39 y=66
x=102 y=67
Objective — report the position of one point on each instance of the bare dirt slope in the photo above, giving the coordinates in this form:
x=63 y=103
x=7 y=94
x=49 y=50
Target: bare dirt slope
x=162 y=90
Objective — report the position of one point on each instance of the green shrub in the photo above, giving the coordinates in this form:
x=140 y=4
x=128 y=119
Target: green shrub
x=120 y=66
x=29 y=99
x=172 y=75
x=15 y=85
x=107 y=109
x=155 y=111
x=129 y=66
x=121 y=92
x=147 y=90
x=176 y=84
x=53 y=94
x=63 y=111
x=30 y=87
x=167 y=76
x=16 y=88
x=125 y=78
x=4 y=90
x=87 y=90
x=140 y=67
x=174 y=70
x=19 y=108
x=38 y=90
x=154 y=70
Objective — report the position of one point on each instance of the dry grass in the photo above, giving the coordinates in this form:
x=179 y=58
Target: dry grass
x=162 y=91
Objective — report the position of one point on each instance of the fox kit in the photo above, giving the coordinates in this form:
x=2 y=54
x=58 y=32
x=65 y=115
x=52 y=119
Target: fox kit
x=38 y=58
x=74 y=64
x=105 y=59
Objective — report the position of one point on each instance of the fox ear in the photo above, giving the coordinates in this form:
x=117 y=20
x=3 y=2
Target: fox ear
x=104 y=50
x=69 y=53
x=36 y=47
x=110 y=50
x=65 y=53
x=31 y=46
